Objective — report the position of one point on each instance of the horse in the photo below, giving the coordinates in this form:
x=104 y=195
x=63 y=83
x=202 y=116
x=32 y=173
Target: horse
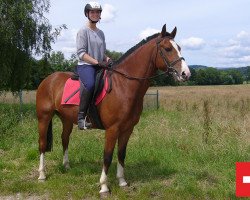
x=120 y=109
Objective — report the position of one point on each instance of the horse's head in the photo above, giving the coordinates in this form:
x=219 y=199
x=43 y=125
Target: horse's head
x=168 y=56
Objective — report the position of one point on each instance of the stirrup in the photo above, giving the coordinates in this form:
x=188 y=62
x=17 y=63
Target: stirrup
x=85 y=125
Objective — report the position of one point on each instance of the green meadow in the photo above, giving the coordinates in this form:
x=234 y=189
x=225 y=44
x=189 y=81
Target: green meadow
x=187 y=149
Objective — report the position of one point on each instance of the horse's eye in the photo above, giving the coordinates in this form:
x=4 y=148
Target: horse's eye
x=168 y=49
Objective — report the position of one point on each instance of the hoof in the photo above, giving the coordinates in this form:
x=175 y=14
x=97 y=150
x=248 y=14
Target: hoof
x=122 y=182
x=67 y=167
x=41 y=180
x=105 y=195
x=42 y=177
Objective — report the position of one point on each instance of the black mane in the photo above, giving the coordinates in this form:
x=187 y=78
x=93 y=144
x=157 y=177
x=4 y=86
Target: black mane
x=144 y=41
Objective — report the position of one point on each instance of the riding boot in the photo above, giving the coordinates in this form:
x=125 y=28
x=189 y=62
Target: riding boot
x=85 y=99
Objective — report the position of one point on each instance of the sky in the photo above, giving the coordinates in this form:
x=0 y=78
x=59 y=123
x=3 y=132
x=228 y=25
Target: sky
x=213 y=33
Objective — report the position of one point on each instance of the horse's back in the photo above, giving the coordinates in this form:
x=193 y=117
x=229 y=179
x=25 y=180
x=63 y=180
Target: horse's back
x=50 y=90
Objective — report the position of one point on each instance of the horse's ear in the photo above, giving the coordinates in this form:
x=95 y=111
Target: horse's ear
x=173 y=33
x=163 y=31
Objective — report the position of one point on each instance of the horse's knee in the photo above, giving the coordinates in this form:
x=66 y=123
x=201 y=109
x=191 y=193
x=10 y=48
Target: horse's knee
x=122 y=155
x=42 y=144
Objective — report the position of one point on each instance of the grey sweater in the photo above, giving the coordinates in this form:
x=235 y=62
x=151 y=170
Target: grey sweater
x=90 y=42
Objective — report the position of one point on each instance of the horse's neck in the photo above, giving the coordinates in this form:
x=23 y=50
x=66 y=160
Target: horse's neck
x=139 y=64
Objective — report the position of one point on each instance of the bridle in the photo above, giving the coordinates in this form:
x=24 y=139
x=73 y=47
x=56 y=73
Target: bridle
x=169 y=65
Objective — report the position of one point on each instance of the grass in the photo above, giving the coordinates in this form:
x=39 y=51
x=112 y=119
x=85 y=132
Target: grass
x=185 y=150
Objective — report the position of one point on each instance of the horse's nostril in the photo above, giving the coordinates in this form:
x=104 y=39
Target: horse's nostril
x=183 y=74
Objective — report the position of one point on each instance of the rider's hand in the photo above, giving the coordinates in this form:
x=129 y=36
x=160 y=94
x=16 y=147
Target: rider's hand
x=103 y=64
x=110 y=62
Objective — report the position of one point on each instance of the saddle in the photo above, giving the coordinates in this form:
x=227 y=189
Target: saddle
x=99 y=85
x=103 y=85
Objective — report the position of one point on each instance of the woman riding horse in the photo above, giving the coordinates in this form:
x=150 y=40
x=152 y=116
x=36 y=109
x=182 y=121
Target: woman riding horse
x=91 y=47
x=120 y=110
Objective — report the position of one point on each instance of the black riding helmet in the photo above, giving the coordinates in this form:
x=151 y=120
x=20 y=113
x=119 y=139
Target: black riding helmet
x=92 y=6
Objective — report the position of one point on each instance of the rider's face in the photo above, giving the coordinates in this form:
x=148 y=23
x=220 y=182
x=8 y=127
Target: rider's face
x=95 y=15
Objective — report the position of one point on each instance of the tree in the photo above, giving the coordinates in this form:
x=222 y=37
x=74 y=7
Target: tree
x=24 y=31
x=192 y=80
x=113 y=54
x=58 y=62
x=248 y=74
x=236 y=76
x=226 y=79
x=208 y=76
x=39 y=70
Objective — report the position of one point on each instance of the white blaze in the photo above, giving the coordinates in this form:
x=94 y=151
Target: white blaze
x=184 y=66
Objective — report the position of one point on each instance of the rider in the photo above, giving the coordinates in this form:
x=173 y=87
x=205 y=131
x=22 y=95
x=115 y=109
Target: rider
x=91 y=47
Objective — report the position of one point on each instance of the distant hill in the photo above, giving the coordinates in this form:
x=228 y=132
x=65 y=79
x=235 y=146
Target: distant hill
x=242 y=70
x=197 y=66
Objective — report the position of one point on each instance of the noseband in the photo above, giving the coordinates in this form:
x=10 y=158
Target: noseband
x=169 y=65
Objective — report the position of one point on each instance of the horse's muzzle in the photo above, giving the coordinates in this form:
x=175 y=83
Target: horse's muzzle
x=185 y=76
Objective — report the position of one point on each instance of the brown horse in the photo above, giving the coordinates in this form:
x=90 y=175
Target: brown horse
x=120 y=110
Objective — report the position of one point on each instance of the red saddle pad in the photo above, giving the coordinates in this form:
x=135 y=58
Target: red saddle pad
x=71 y=92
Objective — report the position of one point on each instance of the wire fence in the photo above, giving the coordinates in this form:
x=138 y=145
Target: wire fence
x=151 y=100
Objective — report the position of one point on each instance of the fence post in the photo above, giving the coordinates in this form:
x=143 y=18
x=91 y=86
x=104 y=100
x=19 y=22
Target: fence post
x=157 y=99
x=20 y=92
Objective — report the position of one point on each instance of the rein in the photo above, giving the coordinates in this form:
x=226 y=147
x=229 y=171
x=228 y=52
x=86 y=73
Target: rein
x=136 y=78
x=169 y=65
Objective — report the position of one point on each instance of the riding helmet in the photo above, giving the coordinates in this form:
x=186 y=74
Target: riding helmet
x=92 y=6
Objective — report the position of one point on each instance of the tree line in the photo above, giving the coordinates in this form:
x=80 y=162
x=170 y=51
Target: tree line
x=210 y=76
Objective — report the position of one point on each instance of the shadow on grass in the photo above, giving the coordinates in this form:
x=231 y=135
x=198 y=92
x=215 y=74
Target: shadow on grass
x=78 y=168
x=148 y=170
x=134 y=172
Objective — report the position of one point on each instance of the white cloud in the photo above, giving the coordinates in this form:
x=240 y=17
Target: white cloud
x=68 y=35
x=243 y=38
x=108 y=13
x=243 y=34
x=245 y=59
x=193 y=43
x=236 y=51
x=147 y=32
x=66 y=42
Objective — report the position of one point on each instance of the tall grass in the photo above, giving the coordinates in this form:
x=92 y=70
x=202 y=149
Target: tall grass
x=185 y=150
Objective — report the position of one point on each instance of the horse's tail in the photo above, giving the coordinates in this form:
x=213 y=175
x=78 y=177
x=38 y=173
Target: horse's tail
x=49 y=146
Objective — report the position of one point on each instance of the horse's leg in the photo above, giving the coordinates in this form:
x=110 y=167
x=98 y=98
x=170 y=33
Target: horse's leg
x=43 y=125
x=67 y=129
x=110 y=141
x=122 y=145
